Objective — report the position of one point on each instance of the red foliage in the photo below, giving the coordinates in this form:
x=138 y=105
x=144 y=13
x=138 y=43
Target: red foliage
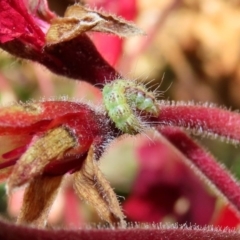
x=23 y=35
x=204 y=164
x=164 y=182
x=87 y=125
x=27 y=28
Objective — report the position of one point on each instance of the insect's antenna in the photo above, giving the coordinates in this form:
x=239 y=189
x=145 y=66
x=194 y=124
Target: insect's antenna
x=168 y=88
x=149 y=82
x=156 y=91
x=162 y=78
x=160 y=84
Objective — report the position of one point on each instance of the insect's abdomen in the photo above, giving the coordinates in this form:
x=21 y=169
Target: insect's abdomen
x=126 y=101
x=118 y=108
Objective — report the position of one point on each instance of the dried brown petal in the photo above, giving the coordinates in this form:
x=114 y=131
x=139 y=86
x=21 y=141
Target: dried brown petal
x=38 y=199
x=78 y=19
x=41 y=151
x=91 y=186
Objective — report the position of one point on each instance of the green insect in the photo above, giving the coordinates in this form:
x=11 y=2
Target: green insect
x=128 y=103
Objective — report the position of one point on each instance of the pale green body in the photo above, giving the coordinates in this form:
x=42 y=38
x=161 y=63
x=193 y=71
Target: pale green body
x=123 y=98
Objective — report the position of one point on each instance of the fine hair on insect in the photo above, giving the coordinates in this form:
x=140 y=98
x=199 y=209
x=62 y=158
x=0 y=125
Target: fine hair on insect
x=129 y=103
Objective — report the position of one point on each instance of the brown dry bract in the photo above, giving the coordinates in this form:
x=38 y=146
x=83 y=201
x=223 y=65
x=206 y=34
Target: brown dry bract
x=38 y=199
x=78 y=20
x=46 y=148
x=89 y=182
x=91 y=186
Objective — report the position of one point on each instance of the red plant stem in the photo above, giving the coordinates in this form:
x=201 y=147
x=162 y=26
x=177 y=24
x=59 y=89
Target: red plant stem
x=76 y=59
x=205 y=164
x=16 y=232
x=204 y=119
x=80 y=60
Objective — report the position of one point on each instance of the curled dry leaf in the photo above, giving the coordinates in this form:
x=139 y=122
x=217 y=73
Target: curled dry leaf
x=42 y=149
x=91 y=186
x=35 y=208
x=78 y=20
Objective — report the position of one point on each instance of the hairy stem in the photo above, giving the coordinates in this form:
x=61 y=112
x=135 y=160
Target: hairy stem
x=205 y=165
x=145 y=232
x=203 y=120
